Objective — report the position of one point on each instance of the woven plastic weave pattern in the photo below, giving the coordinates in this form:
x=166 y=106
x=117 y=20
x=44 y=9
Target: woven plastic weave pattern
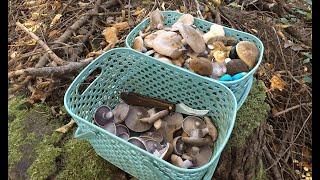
x=126 y=70
x=240 y=87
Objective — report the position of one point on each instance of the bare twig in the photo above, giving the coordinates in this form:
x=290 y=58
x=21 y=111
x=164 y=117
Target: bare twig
x=198 y=9
x=51 y=71
x=292 y=108
x=54 y=57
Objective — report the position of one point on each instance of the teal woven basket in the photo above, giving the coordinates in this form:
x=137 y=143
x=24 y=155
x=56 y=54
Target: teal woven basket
x=124 y=70
x=240 y=87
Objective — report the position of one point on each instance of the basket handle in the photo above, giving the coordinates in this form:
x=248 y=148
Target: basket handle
x=79 y=134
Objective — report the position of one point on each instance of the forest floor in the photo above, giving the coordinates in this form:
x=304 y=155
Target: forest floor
x=74 y=32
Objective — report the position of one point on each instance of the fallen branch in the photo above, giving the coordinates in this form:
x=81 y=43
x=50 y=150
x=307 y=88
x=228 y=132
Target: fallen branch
x=52 y=71
x=198 y=9
x=54 y=57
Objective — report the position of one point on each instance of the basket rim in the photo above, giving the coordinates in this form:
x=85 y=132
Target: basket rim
x=251 y=72
x=100 y=130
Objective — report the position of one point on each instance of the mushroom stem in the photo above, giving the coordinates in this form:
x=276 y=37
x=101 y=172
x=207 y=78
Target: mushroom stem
x=155 y=117
x=176 y=160
x=212 y=130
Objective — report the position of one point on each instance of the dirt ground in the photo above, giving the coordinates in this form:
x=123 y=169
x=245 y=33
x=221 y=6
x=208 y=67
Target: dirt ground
x=74 y=31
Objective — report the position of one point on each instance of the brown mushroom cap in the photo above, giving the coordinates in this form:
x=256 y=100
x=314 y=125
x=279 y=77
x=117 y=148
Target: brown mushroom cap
x=215 y=30
x=199 y=132
x=148 y=40
x=120 y=112
x=103 y=115
x=193 y=38
x=200 y=65
x=177 y=161
x=168 y=44
x=178 y=145
x=156 y=19
x=204 y=156
x=132 y=121
x=174 y=122
x=138 y=44
x=192 y=122
x=155 y=135
x=211 y=128
x=152 y=145
x=186 y=19
x=121 y=129
x=137 y=142
x=196 y=141
x=247 y=52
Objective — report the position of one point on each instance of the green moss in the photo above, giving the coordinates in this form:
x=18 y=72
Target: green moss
x=261 y=174
x=44 y=165
x=253 y=111
x=81 y=162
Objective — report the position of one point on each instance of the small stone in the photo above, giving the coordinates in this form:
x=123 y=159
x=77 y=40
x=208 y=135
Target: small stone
x=238 y=76
x=225 y=77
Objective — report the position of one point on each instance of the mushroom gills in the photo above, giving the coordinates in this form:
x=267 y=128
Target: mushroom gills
x=120 y=112
x=137 y=142
x=103 y=115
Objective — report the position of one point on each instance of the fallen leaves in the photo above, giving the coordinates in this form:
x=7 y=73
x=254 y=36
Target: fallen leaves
x=110 y=35
x=32 y=26
x=55 y=19
x=66 y=128
x=277 y=82
x=121 y=26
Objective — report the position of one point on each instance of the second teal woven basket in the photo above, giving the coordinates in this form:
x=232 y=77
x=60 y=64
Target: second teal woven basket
x=240 y=87
x=124 y=70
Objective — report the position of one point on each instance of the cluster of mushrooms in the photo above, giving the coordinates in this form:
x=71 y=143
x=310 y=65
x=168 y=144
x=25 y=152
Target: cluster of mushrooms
x=185 y=141
x=211 y=54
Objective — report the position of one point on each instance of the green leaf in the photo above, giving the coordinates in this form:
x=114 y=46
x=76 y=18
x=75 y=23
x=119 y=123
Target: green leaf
x=305 y=61
x=309 y=16
x=234 y=4
x=307 y=54
x=284 y=21
x=301 y=12
x=307 y=79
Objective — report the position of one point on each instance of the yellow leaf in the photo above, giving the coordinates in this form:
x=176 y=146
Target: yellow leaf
x=66 y=127
x=14 y=54
x=31 y=42
x=277 y=82
x=121 y=26
x=32 y=25
x=110 y=35
x=55 y=19
x=138 y=11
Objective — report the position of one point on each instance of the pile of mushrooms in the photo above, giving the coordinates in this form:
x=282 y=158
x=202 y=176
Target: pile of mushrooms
x=211 y=54
x=185 y=141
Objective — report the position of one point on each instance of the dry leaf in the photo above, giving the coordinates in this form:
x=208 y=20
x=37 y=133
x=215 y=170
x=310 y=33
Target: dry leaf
x=56 y=5
x=53 y=33
x=110 y=35
x=288 y=43
x=66 y=127
x=297 y=47
x=55 y=19
x=82 y=4
x=280 y=33
x=138 y=11
x=277 y=82
x=14 y=54
x=31 y=42
x=121 y=26
x=38 y=95
x=32 y=25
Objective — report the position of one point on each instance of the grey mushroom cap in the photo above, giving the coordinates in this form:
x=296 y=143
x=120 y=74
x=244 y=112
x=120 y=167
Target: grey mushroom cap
x=110 y=127
x=155 y=135
x=103 y=115
x=120 y=129
x=168 y=44
x=120 y=112
x=178 y=145
x=124 y=136
x=137 y=142
x=152 y=145
x=192 y=122
x=247 y=52
x=172 y=123
x=132 y=121
x=204 y=155
x=193 y=37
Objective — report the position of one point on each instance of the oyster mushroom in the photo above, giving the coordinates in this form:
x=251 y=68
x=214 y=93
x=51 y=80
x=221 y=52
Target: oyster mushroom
x=168 y=44
x=176 y=160
x=138 y=44
x=218 y=69
x=215 y=30
x=120 y=112
x=153 y=116
x=247 y=52
x=156 y=20
x=169 y=125
x=179 y=61
x=110 y=127
x=192 y=37
x=124 y=136
x=200 y=65
x=235 y=66
x=210 y=129
x=120 y=129
x=132 y=121
x=186 y=19
x=155 y=135
x=137 y=142
x=178 y=145
x=103 y=115
x=148 y=40
x=166 y=151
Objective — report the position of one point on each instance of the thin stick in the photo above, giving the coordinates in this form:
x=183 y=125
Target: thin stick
x=54 y=57
x=291 y=108
x=198 y=9
x=51 y=71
